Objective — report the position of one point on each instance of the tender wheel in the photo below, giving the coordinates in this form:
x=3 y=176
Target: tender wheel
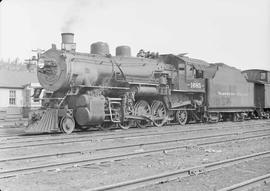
x=236 y=117
x=181 y=117
x=67 y=124
x=142 y=108
x=159 y=112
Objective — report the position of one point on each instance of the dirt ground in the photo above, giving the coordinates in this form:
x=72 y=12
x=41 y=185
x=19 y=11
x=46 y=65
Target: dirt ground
x=215 y=180
x=90 y=176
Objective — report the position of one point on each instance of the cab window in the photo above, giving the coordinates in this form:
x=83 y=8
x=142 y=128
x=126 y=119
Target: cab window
x=190 y=72
x=181 y=68
x=198 y=74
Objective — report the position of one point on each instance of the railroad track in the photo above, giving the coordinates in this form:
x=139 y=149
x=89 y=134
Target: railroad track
x=176 y=174
x=101 y=137
x=132 y=145
x=113 y=157
x=80 y=134
x=248 y=184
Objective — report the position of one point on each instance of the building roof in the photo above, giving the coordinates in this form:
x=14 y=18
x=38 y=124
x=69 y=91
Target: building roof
x=261 y=70
x=16 y=79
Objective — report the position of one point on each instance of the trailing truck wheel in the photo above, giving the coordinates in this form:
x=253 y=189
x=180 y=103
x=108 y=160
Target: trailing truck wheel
x=181 y=117
x=142 y=108
x=237 y=117
x=67 y=124
x=159 y=113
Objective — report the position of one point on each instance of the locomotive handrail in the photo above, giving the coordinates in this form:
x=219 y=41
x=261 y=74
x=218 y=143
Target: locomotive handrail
x=103 y=87
x=62 y=100
x=118 y=66
x=49 y=98
x=110 y=110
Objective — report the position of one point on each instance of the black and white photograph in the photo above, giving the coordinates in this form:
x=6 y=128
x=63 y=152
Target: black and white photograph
x=134 y=95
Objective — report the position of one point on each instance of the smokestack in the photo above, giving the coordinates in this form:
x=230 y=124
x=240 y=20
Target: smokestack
x=67 y=37
x=68 y=42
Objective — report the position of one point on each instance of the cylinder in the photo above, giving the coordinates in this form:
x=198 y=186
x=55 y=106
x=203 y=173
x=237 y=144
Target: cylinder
x=67 y=38
x=123 y=51
x=100 y=48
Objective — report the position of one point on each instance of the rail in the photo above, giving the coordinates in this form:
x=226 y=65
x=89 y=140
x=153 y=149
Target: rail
x=248 y=183
x=172 y=175
x=82 y=162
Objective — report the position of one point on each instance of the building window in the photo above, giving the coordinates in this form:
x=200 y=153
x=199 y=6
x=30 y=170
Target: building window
x=12 y=97
x=263 y=76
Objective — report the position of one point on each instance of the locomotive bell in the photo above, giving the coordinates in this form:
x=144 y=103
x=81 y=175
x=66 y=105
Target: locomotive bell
x=68 y=42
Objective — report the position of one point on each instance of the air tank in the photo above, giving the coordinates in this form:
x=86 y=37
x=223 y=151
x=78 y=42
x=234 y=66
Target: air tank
x=100 y=48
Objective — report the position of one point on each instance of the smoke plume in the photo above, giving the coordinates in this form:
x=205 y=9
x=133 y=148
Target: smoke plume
x=74 y=15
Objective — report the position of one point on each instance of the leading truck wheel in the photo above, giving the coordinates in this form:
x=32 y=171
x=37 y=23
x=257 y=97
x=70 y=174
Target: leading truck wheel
x=125 y=125
x=67 y=124
x=181 y=117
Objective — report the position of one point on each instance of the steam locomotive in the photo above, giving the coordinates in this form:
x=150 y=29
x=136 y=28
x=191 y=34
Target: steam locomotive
x=97 y=89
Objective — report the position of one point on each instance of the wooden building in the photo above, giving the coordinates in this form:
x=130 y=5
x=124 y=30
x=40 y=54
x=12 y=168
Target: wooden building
x=16 y=88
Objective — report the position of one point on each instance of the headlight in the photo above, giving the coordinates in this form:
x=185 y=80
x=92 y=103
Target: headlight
x=41 y=63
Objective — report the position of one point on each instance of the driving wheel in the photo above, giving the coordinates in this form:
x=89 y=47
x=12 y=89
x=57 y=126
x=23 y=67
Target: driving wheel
x=159 y=113
x=142 y=108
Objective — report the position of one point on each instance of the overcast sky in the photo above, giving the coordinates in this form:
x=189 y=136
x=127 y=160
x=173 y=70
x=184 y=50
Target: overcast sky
x=236 y=32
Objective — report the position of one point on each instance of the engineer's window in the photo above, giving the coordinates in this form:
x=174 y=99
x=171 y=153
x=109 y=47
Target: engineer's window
x=190 y=72
x=199 y=74
x=12 y=97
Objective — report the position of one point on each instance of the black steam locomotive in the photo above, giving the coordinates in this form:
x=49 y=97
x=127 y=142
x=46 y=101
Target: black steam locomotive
x=97 y=89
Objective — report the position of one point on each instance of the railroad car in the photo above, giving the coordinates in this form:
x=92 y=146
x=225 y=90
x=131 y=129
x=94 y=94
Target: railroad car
x=261 y=81
x=229 y=95
x=97 y=89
